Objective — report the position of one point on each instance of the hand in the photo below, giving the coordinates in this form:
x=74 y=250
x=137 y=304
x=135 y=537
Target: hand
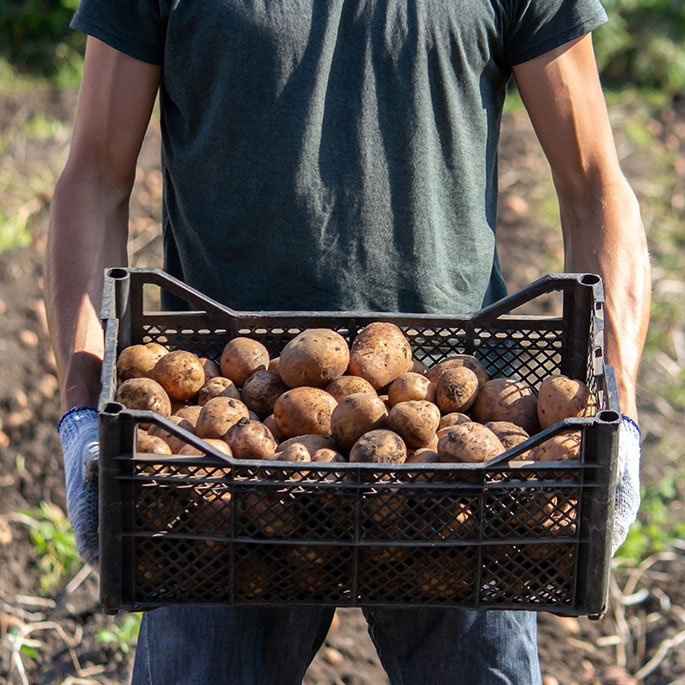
x=628 y=491
x=78 y=431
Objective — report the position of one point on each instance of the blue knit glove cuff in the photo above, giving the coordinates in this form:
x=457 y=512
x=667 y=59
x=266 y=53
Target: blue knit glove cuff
x=78 y=432
x=628 y=490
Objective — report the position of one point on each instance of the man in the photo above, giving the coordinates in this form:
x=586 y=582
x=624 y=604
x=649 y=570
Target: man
x=333 y=155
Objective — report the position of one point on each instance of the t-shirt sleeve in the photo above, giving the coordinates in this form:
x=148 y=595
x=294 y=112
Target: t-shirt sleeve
x=134 y=27
x=538 y=26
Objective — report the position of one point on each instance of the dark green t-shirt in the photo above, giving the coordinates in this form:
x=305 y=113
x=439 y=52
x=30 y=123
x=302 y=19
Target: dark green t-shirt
x=334 y=154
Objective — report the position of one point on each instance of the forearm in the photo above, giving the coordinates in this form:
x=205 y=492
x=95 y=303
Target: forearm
x=88 y=232
x=603 y=234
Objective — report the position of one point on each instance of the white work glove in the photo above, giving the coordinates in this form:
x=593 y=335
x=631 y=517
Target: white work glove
x=628 y=490
x=78 y=431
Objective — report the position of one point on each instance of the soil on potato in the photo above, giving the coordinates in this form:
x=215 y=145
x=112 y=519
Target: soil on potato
x=57 y=634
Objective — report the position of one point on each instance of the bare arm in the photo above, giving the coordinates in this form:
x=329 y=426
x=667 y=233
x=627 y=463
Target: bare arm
x=600 y=217
x=89 y=216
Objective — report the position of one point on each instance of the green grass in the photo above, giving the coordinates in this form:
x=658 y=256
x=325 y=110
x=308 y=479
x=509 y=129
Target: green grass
x=673 y=391
x=42 y=127
x=121 y=633
x=513 y=103
x=54 y=546
x=11 y=81
x=67 y=75
x=654 y=530
x=13 y=232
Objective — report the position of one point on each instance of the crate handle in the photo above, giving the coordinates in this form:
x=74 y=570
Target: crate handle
x=543 y=286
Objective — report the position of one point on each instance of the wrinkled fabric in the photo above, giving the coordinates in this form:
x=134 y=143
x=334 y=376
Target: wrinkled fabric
x=416 y=646
x=338 y=155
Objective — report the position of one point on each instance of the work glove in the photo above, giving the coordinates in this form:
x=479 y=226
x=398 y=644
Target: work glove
x=628 y=490
x=78 y=432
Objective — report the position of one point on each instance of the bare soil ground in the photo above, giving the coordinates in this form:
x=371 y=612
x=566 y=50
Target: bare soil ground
x=643 y=632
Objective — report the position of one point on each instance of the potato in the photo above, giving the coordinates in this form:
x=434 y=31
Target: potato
x=161 y=506
x=241 y=357
x=507 y=399
x=423 y=455
x=349 y=385
x=180 y=404
x=313 y=358
x=190 y=412
x=444 y=518
x=308 y=556
x=274 y=365
x=470 y=443
x=220 y=445
x=250 y=439
x=219 y=386
x=415 y=421
x=410 y=386
x=310 y=443
x=355 y=415
x=150 y=444
x=209 y=515
x=380 y=572
x=456 y=361
x=380 y=353
x=210 y=367
x=456 y=389
x=255 y=574
x=379 y=446
x=144 y=393
x=453 y=418
x=261 y=390
x=307 y=571
x=328 y=455
x=180 y=374
x=560 y=397
x=446 y=429
x=270 y=423
x=534 y=509
x=510 y=435
x=175 y=442
x=218 y=415
x=295 y=451
x=304 y=410
x=136 y=361
x=419 y=367
x=559 y=556
x=439 y=574
x=561 y=447
x=307 y=450
x=272 y=514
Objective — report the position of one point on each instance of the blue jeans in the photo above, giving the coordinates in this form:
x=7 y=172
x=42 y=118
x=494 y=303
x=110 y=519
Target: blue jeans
x=274 y=646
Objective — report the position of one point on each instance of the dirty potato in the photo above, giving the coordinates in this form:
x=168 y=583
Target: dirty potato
x=313 y=358
x=380 y=353
x=304 y=410
x=180 y=373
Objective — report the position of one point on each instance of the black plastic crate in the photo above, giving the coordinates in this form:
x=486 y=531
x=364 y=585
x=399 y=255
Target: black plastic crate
x=506 y=534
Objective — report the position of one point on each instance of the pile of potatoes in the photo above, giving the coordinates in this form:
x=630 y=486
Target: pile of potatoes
x=324 y=400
